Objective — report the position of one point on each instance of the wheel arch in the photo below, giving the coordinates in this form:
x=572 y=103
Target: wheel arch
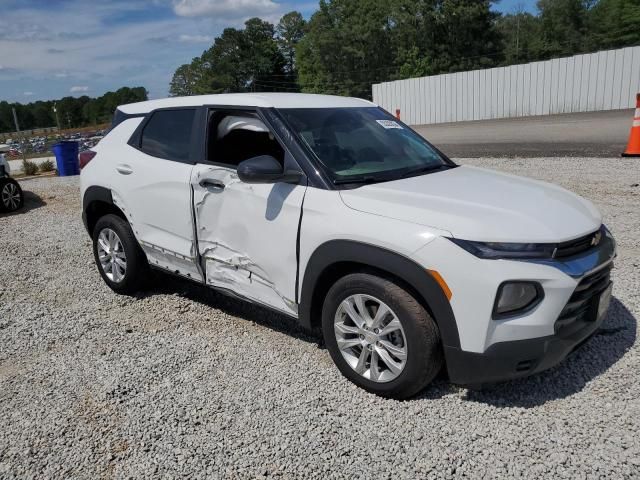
x=98 y=202
x=336 y=258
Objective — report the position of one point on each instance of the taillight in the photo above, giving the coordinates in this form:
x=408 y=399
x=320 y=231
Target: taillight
x=85 y=157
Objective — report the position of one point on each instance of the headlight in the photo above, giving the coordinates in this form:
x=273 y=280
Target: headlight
x=516 y=297
x=521 y=251
x=496 y=250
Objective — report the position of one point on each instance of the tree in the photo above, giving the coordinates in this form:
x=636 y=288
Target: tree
x=73 y=112
x=614 y=24
x=347 y=46
x=436 y=36
x=521 y=37
x=238 y=61
x=262 y=63
x=184 y=81
x=289 y=32
x=467 y=38
x=562 y=27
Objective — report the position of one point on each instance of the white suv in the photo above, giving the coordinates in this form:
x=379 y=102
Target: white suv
x=331 y=211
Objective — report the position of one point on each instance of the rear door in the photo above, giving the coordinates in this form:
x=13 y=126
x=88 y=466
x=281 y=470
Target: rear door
x=247 y=233
x=154 y=180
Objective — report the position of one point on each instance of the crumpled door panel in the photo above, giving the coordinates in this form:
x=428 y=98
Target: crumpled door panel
x=247 y=235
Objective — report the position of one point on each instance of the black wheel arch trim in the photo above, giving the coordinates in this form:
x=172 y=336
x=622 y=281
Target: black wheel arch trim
x=339 y=251
x=94 y=194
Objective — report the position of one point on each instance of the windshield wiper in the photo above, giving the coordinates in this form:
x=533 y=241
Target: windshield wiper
x=364 y=179
x=425 y=169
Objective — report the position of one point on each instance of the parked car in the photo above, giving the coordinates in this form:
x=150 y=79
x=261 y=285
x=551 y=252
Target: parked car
x=331 y=211
x=11 y=196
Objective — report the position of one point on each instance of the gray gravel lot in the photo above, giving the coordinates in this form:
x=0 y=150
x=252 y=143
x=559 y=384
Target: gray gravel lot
x=183 y=382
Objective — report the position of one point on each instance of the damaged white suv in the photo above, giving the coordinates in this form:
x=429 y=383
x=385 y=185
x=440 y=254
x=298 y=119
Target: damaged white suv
x=333 y=212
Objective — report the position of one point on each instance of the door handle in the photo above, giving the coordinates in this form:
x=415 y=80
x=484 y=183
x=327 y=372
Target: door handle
x=209 y=183
x=124 y=169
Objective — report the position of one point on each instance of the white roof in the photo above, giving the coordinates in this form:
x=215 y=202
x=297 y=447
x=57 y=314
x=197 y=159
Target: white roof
x=266 y=100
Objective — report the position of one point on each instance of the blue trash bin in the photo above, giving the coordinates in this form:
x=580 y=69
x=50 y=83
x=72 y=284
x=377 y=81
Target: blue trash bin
x=66 y=153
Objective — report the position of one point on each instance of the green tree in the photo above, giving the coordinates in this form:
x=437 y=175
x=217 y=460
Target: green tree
x=238 y=61
x=289 y=32
x=222 y=64
x=466 y=36
x=562 y=27
x=521 y=37
x=347 y=46
x=72 y=111
x=184 y=81
x=262 y=64
x=614 y=24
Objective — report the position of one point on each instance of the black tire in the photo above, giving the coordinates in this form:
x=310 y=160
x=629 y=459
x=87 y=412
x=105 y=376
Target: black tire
x=10 y=186
x=424 y=349
x=137 y=267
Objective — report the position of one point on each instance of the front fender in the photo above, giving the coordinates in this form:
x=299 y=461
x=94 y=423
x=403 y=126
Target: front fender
x=338 y=251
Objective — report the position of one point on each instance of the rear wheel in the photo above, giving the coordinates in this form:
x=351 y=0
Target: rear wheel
x=11 y=196
x=120 y=260
x=380 y=337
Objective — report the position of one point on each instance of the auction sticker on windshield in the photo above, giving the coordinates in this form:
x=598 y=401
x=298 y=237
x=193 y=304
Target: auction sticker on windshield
x=389 y=124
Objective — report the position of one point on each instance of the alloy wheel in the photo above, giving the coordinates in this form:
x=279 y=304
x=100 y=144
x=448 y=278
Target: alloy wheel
x=370 y=338
x=113 y=260
x=10 y=196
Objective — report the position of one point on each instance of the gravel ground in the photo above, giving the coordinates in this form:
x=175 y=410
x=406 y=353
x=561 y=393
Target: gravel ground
x=183 y=382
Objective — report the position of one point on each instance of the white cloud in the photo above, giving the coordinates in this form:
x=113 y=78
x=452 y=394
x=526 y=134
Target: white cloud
x=28 y=94
x=107 y=54
x=195 y=39
x=79 y=89
x=226 y=8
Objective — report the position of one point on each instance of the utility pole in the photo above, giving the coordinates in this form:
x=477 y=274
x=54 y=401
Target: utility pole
x=24 y=154
x=55 y=110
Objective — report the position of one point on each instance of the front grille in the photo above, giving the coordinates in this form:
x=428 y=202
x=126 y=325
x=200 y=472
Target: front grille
x=582 y=306
x=579 y=245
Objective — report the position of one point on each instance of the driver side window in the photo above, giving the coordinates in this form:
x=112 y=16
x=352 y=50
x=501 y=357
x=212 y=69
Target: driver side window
x=235 y=136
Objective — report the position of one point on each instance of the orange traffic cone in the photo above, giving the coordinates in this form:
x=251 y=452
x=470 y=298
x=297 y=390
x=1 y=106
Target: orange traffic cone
x=633 y=148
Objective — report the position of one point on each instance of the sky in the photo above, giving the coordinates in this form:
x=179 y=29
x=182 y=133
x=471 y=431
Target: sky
x=55 y=48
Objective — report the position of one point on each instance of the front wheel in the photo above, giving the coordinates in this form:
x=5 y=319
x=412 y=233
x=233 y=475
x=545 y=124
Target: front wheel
x=11 y=196
x=120 y=260
x=380 y=337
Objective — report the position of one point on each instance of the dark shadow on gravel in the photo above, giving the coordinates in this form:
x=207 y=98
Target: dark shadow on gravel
x=163 y=283
x=609 y=344
x=31 y=202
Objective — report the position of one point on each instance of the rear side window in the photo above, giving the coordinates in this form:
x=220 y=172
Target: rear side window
x=167 y=134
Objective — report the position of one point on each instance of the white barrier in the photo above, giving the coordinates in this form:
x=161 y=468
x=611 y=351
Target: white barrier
x=607 y=80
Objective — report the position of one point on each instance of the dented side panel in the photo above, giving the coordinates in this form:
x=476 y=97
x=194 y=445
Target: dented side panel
x=247 y=235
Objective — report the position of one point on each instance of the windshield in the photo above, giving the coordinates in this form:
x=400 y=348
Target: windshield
x=363 y=144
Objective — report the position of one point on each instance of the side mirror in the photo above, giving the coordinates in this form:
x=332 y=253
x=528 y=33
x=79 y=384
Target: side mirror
x=265 y=169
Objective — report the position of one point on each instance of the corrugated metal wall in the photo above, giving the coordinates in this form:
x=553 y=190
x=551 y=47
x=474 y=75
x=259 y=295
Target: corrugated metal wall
x=607 y=80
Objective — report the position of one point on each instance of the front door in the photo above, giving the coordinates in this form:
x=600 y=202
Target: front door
x=247 y=233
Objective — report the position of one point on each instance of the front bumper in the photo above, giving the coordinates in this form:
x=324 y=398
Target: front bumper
x=496 y=350
x=509 y=360
x=578 y=321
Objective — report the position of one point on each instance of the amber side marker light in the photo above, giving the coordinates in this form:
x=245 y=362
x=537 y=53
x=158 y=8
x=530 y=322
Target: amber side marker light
x=443 y=285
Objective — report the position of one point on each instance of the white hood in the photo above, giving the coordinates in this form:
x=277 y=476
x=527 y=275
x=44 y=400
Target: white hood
x=483 y=205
